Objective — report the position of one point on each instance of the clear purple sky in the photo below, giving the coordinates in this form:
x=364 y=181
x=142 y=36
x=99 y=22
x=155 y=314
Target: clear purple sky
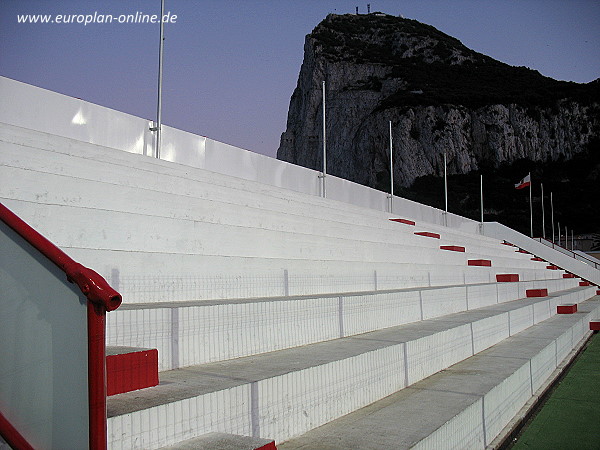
x=231 y=66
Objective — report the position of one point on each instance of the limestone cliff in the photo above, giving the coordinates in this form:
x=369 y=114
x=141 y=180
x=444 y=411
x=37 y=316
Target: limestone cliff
x=440 y=97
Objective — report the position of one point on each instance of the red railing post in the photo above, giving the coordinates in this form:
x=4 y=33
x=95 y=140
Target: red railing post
x=101 y=298
x=96 y=315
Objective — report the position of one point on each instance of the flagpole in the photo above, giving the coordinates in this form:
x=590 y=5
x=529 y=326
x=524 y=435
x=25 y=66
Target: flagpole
x=558 y=228
x=481 y=189
x=543 y=214
x=552 y=211
x=572 y=240
x=530 y=206
x=391 y=171
x=445 y=191
x=324 y=142
x=160 y=76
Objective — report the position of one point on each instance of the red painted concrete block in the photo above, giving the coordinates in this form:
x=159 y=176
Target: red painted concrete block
x=132 y=370
x=508 y=243
x=522 y=251
x=585 y=283
x=566 y=309
x=537 y=293
x=507 y=277
x=537 y=258
x=598 y=292
x=569 y=275
x=269 y=446
x=480 y=262
x=405 y=221
x=552 y=267
x=452 y=248
x=595 y=326
x=428 y=234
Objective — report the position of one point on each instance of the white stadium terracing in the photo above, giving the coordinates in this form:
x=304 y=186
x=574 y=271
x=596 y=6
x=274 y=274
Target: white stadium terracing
x=276 y=311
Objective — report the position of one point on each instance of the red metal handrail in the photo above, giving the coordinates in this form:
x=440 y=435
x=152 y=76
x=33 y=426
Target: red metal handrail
x=93 y=286
x=102 y=298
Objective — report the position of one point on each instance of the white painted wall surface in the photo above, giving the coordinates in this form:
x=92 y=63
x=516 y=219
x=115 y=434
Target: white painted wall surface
x=34 y=108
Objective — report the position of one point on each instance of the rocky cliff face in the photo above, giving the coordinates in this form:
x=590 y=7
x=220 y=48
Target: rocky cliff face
x=440 y=97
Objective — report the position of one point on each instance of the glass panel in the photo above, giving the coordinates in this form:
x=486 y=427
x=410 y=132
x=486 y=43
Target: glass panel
x=43 y=355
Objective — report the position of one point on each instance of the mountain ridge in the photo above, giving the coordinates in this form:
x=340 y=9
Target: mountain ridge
x=440 y=96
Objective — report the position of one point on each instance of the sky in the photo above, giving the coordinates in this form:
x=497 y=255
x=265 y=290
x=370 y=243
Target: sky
x=231 y=66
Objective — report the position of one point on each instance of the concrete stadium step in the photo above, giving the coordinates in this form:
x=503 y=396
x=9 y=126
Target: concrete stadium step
x=121 y=168
x=191 y=333
x=167 y=174
x=472 y=404
x=144 y=210
x=134 y=170
x=194 y=277
x=286 y=393
x=223 y=441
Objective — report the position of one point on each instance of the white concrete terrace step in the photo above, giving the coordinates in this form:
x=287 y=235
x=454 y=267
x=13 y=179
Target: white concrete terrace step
x=190 y=333
x=111 y=230
x=286 y=393
x=465 y=406
x=122 y=168
x=223 y=441
x=122 y=215
x=147 y=277
x=128 y=169
x=130 y=162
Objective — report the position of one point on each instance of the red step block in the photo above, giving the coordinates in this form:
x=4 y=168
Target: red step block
x=507 y=277
x=428 y=234
x=129 y=369
x=553 y=267
x=566 y=309
x=522 y=251
x=480 y=262
x=452 y=248
x=405 y=221
x=595 y=326
x=536 y=293
x=537 y=258
x=508 y=243
x=598 y=292
x=225 y=441
x=569 y=275
x=585 y=283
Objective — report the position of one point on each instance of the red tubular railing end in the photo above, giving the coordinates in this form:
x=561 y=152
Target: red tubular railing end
x=93 y=286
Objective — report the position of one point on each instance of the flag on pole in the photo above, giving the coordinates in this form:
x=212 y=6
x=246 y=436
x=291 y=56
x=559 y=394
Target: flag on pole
x=525 y=182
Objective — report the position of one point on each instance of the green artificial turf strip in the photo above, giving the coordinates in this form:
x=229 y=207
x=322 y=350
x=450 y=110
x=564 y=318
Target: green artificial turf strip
x=570 y=419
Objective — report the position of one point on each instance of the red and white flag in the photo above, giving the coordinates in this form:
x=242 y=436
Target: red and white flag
x=524 y=182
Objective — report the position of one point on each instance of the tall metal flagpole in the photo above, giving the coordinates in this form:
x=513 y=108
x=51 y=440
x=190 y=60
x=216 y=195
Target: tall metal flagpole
x=543 y=214
x=530 y=205
x=558 y=228
x=445 y=192
x=481 y=185
x=391 y=172
x=552 y=212
x=572 y=240
x=160 y=70
x=324 y=142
